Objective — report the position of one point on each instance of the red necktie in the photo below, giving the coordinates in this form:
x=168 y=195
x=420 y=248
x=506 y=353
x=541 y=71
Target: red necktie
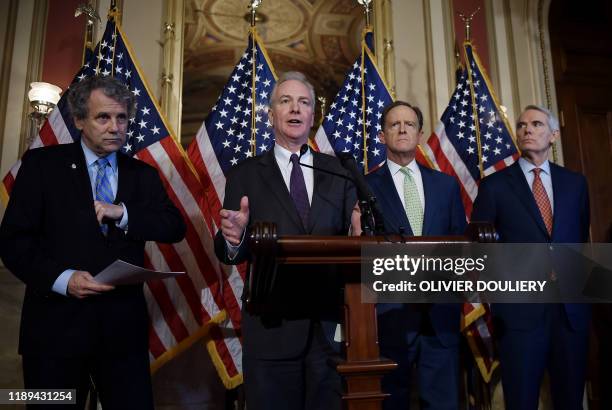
x=541 y=198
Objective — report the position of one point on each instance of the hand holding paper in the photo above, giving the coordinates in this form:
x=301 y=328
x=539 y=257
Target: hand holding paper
x=124 y=273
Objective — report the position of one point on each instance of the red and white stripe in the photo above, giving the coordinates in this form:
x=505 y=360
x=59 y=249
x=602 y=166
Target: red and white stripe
x=225 y=346
x=322 y=142
x=447 y=160
x=53 y=131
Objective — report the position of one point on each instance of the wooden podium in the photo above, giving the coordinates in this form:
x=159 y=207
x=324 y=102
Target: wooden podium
x=362 y=367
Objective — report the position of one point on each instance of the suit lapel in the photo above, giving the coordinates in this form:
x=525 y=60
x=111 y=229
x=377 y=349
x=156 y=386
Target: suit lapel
x=322 y=184
x=430 y=198
x=523 y=192
x=82 y=186
x=392 y=201
x=125 y=182
x=560 y=192
x=80 y=176
x=273 y=177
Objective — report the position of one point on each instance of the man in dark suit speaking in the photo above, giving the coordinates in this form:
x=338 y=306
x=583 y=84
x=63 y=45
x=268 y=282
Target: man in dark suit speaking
x=75 y=209
x=536 y=201
x=285 y=353
x=416 y=201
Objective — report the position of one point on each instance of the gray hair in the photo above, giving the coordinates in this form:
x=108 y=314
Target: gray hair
x=297 y=76
x=80 y=92
x=553 y=122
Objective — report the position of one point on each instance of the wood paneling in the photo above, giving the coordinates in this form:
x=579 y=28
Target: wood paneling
x=581 y=46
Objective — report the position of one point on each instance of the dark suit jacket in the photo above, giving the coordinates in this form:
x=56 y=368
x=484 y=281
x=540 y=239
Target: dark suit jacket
x=444 y=215
x=506 y=200
x=50 y=226
x=302 y=293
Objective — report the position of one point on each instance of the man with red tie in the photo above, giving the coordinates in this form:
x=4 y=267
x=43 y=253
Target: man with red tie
x=536 y=201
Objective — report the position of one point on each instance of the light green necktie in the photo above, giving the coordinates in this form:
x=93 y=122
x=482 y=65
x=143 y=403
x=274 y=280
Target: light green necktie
x=412 y=203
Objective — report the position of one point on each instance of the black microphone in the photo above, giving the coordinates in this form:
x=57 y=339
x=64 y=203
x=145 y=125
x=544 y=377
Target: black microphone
x=349 y=163
x=371 y=217
x=303 y=150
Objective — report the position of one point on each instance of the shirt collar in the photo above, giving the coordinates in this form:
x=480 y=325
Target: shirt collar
x=283 y=155
x=394 y=167
x=527 y=166
x=91 y=157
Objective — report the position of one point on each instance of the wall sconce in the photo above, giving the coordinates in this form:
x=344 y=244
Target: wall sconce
x=43 y=99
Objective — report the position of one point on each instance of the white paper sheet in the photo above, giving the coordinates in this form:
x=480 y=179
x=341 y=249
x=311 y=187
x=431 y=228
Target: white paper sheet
x=124 y=273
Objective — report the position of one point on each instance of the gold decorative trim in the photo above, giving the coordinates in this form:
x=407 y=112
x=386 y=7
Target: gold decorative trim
x=491 y=41
x=431 y=86
x=544 y=44
x=383 y=40
x=433 y=11
x=34 y=69
x=119 y=5
x=171 y=90
x=515 y=94
x=7 y=62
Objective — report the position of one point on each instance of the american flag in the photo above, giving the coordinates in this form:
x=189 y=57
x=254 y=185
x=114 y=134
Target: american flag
x=473 y=139
x=181 y=310
x=353 y=121
x=237 y=128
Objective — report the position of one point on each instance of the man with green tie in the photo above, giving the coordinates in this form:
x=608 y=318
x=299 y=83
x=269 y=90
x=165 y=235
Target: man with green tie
x=416 y=200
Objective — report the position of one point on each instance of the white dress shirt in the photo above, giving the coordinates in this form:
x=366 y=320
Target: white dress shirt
x=283 y=160
x=398 y=179
x=527 y=166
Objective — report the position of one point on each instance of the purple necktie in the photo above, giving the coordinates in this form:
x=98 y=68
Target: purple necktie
x=297 y=189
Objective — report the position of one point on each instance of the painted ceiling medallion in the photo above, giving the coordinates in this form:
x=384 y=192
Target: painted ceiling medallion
x=281 y=20
x=319 y=37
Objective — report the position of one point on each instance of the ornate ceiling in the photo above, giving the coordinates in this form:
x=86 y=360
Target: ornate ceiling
x=318 y=37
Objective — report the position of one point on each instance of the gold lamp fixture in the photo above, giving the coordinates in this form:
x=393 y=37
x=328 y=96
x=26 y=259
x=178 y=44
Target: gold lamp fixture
x=43 y=99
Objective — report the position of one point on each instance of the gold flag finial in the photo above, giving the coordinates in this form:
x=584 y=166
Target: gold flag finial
x=366 y=7
x=253 y=5
x=467 y=20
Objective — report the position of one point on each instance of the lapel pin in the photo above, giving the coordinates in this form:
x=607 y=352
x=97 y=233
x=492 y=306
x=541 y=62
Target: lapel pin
x=73 y=166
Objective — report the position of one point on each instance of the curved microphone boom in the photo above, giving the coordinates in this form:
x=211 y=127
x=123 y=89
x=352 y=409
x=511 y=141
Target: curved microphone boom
x=371 y=217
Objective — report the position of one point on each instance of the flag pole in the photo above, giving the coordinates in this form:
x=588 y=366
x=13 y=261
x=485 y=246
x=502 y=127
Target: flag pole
x=467 y=20
x=253 y=5
x=363 y=98
x=366 y=8
x=458 y=64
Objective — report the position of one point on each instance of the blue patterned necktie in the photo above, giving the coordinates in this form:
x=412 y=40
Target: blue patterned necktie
x=104 y=192
x=297 y=190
